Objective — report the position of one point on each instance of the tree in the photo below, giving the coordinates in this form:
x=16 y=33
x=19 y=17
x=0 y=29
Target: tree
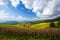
x=58 y=24
x=52 y=25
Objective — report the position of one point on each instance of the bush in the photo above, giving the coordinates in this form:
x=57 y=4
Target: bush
x=58 y=24
x=52 y=25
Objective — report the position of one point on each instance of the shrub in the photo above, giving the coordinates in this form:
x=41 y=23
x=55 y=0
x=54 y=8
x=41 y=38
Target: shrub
x=52 y=25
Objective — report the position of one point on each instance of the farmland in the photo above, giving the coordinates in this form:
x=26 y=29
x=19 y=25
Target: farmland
x=30 y=31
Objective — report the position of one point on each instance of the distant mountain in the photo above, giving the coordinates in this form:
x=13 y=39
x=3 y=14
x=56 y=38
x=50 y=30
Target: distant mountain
x=13 y=22
x=56 y=19
x=9 y=22
x=38 y=21
x=49 y=20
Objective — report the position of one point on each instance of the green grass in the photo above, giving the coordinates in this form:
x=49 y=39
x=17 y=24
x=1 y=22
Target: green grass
x=41 y=25
x=12 y=25
x=24 y=37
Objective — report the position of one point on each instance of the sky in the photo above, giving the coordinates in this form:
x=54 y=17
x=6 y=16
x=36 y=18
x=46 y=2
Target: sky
x=29 y=10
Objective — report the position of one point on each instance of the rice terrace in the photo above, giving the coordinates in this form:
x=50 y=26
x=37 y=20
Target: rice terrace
x=29 y=19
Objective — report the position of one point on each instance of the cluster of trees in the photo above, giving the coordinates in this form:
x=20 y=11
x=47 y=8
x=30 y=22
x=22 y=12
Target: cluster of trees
x=53 y=25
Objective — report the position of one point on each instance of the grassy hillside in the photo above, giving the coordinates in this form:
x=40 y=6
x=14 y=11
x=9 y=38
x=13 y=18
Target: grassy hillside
x=41 y=25
x=55 y=24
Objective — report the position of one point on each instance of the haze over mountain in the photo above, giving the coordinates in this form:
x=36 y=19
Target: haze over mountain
x=49 y=20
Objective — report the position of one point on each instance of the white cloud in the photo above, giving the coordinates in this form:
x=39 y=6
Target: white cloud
x=28 y=3
x=6 y=16
x=15 y=3
x=22 y=18
x=43 y=8
x=3 y=2
x=19 y=18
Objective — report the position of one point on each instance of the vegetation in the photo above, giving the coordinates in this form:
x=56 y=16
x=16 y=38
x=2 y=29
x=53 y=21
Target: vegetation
x=52 y=25
x=55 y=24
x=19 y=37
x=29 y=34
x=41 y=25
x=30 y=31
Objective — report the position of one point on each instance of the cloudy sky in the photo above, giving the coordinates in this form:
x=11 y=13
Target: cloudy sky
x=29 y=10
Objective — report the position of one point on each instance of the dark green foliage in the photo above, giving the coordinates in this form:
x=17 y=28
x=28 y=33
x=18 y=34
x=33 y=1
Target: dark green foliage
x=58 y=24
x=52 y=25
x=23 y=37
